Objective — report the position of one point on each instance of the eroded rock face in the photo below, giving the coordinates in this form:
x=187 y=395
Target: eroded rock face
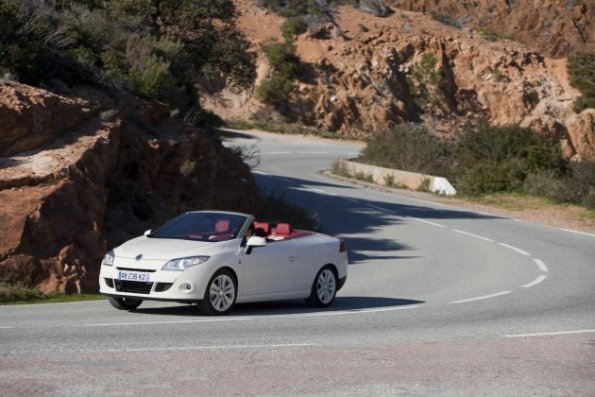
x=32 y=117
x=101 y=182
x=408 y=67
x=552 y=27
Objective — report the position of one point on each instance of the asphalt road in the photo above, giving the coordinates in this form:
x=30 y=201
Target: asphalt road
x=439 y=301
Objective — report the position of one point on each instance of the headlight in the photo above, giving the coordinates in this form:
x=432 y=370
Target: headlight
x=184 y=263
x=108 y=259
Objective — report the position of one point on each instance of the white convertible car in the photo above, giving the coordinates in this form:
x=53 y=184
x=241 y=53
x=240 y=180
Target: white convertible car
x=216 y=259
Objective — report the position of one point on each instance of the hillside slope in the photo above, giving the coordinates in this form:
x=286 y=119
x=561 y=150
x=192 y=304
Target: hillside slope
x=553 y=27
x=371 y=72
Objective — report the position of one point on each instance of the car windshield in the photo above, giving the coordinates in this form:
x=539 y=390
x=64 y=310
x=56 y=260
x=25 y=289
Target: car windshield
x=202 y=226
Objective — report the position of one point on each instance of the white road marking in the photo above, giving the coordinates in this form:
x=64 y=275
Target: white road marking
x=482 y=297
x=259 y=173
x=582 y=331
x=428 y=222
x=540 y=265
x=6 y=327
x=223 y=347
x=278 y=153
x=473 y=235
x=577 y=232
x=166 y=322
x=314 y=189
x=518 y=220
x=533 y=283
x=520 y=251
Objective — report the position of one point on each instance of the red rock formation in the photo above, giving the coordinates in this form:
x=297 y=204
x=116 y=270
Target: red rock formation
x=366 y=79
x=552 y=27
x=100 y=181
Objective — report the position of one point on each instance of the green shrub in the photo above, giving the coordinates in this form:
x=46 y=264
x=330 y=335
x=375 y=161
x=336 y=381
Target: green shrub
x=18 y=292
x=409 y=147
x=294 y=26
x=424 y=74
x=158 y=50
x=283 y=60
x=275 y=90
x=286 y=68
x=581 y=69
x=491 y=159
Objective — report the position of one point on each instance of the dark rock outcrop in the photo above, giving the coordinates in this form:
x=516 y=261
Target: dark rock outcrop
x=111 y=171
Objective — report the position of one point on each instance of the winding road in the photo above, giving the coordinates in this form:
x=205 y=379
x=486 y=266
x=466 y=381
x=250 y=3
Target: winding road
x=439 y=301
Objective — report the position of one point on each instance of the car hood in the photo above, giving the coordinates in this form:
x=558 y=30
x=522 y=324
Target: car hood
x=161 y=248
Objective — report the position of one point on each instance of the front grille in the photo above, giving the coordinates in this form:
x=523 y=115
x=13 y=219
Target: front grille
x=134 y=287
x=162 y=287
x=109 y=282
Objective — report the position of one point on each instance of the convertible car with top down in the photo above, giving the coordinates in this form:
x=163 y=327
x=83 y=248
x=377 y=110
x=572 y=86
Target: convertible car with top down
x=217 y=259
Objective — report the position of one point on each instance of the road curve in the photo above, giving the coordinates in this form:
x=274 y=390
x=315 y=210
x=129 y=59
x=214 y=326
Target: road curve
x=439 y=301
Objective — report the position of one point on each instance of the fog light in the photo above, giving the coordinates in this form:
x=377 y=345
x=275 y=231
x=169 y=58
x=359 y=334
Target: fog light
x=186 y=287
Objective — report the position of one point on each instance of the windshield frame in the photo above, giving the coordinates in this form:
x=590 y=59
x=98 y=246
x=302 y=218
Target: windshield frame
x=237 y=225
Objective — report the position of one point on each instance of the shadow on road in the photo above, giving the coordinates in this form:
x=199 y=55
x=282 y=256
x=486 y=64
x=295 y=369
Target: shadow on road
x=342 y=304
x=356 y=220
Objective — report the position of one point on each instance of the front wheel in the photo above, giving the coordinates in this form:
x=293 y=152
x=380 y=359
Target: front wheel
x=324 y=288
x=220 y=296
x=124 y=303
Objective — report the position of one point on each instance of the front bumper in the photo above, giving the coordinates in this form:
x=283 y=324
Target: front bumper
x=185 y=286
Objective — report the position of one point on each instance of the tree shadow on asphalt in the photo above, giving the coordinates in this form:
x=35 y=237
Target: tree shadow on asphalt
x=232 y=134
x=354 y=220
x=342 y=304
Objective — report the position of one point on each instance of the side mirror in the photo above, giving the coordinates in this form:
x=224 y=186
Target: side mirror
x=148 y=232
x=254 y=242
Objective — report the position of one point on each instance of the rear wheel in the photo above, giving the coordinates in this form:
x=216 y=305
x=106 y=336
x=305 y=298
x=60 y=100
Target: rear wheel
x=324 y=288
x=124 y=303
x=220 y=296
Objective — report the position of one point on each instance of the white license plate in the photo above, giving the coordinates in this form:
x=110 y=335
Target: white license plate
x=134 y=276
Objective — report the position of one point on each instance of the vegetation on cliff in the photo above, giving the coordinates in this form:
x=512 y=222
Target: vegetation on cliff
x=487 y=159
x=162 y=50
x=581 y=68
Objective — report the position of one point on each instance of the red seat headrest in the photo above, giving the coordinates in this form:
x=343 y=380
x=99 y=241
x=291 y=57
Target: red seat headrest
x=262 y=229
x=283 y=229
x=222 y=226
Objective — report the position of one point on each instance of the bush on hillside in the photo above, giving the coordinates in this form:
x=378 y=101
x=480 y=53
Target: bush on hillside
x=581 y=68
x=409 y=147
x=492 y=159
x=286 y=68
x=294 y=26
x=160 y=50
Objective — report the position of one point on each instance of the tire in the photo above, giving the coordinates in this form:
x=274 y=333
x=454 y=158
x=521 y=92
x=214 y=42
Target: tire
x=324 y=288
x=220 y=295
x=124 y=303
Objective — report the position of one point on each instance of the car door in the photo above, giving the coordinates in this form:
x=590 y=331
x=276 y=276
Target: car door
x=270 y=269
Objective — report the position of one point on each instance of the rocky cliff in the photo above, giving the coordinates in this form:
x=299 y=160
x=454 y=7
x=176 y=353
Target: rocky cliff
x=552 y=27
x=370 y=72
x=82 y=172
